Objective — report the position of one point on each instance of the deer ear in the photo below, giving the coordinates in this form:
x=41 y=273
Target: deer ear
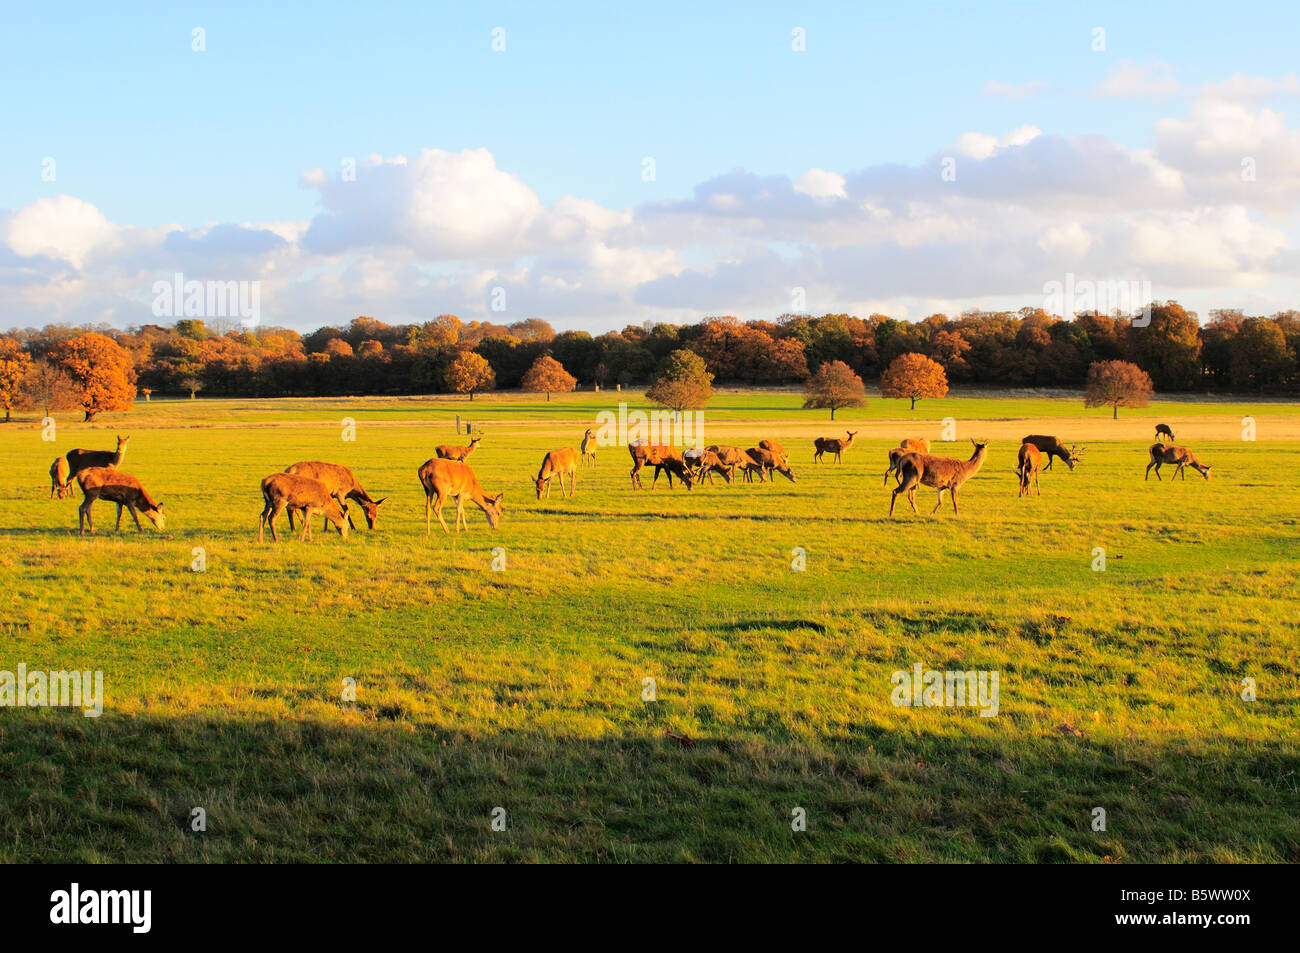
x=380 y=501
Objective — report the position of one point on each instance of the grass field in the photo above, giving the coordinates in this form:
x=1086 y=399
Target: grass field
x=522 y=689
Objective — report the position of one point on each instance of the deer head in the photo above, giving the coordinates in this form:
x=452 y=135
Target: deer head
x=495 y=507
x=1204 y=471
x=156 y=515
x=334 y=516
x=371 y=509
x=540 y=484
x=122 y=442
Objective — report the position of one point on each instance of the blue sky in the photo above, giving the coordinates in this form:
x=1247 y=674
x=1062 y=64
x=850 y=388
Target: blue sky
x=152 y=134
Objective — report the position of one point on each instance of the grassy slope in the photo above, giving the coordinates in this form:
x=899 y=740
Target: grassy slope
x=522 y=689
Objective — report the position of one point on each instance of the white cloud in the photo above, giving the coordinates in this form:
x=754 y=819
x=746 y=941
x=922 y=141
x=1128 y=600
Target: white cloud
x=820 y=184
x=63 y=227
x=1013 y=91
x=1130 y=80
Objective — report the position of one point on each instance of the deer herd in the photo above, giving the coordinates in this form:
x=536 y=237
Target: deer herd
x=313 y=488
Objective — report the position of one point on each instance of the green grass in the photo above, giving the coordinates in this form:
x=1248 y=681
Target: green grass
x=522 y=689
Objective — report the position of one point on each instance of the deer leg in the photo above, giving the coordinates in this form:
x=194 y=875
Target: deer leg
x=1148 y=473
x=83 y=516
x=460 y=514
x=291 y=526
x=306 y=524
x=118 y=527
x=131 y=508
x=1038 y=486
x=952 y=494
x=276 y=510
x=437 y=511
x=427 y=510
x=939 y=504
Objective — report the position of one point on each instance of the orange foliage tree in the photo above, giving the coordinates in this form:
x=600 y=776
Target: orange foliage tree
x=548 y=375
x=912 y=377
x=15 y=366
x=101 y=370
x=1117 y=384
x=468 y=374
x=834 y=386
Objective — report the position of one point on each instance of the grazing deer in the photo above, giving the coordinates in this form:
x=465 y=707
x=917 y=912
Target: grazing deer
x=1054 y=448
x=1162 y=430
x=906 y=445
x=448 y=452
x=942 y=473
x=443 y=478
x=774 y=448
x=294 y=491
x=730 y=458
x=79 y=460
x=343 y=486
x=1175 y=455
x=588 y=448
x=832 y=445
x=704 y=463
x=558 y=463
x=1027 y=467
x=60 y=482
x=662 y=457
x=766 y=462
x=108 y=483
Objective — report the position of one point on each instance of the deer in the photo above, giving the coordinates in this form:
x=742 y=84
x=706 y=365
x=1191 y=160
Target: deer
x=558 y=463
x=906 y=445
x=1179 y=456
x=774 y=448
x=1054 y=448
x=109 y=483
x=449 y=452
x=704 y=463
x=295 y=491
x=79 y=460
x=942 y=473
x=730 y=458
x=832 y=445
x=588 y=448
x=1028 y=463
x=766 y=462
x=60 y=481
x=343 y=486
x=661 y=457
x=443 y=478
x=1162 y=431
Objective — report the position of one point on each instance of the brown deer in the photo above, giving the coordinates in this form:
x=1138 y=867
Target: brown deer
x=558 y=463
x=60 y=482
x=774 y=448
x=1053 y=448
x=832 y=445
x=1178 y=456
x=109 y=483
x=704 y=463
x=1162 y=431
x=449 y=452
x=79 y=460
x=443 y=478
x=766 y=462
x=907 y=445
x=730 y=458
x=1028 y=463
x=588 y=448
x=343 y=486
x=662 y=457
x=293 y=491
x=942 y=473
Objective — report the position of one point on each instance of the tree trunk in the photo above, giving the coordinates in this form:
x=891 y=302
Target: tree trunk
x=471 y=397
x=90 y=415
x=1115 y=415
x=548 y=396
x=913 y=407
x=832 y=413
x=6 y=415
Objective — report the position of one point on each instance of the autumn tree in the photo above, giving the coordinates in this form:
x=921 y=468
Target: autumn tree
x=49 y=388
x=547 y=375
x=682 y=382
x=15 y=366
x=913 y=376
x=102 y=371
x=834 y=386
x=1167 y=345
x=469 y=373
x=1117 y=384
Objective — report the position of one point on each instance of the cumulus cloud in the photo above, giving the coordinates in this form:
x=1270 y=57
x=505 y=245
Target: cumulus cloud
x=1130 y=80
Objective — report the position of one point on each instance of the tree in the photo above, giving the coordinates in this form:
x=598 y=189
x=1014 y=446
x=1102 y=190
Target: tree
x=1117 y=383
x=101 y=370
x=548 y=375
x=49 y=388
x=1169 y=347
x=834 y=386
x=15 y=367
x=912 y=377
x=191 y=384
x=682 y=383
x=470 y=373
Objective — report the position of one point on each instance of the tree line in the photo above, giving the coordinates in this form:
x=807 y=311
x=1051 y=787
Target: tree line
x=50 y=368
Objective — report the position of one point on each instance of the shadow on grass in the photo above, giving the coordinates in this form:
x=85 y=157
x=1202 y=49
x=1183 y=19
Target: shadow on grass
x=375 y=786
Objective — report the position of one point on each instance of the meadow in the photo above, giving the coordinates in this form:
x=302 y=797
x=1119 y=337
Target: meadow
x=522 y=688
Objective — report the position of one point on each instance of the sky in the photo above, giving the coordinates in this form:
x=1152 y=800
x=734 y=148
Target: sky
x=600 y=165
